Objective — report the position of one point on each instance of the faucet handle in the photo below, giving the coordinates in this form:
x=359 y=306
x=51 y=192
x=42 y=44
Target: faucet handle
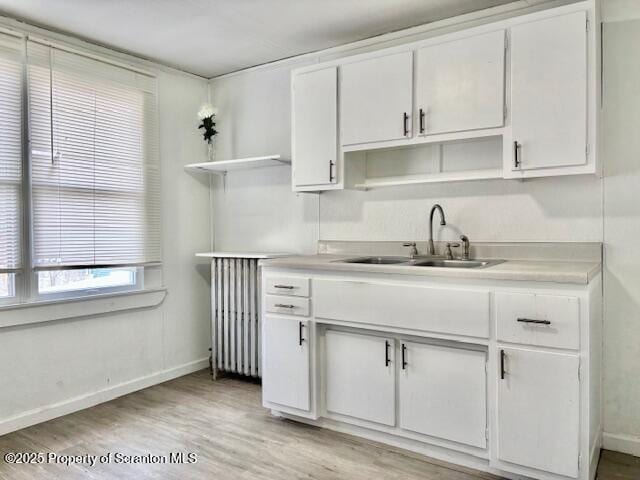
x=451 y=245
x=465 y=248
x=414 y=249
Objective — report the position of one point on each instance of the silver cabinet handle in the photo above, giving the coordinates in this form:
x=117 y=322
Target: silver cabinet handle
x=288 y=287
x=532 y=320
x=284 y=305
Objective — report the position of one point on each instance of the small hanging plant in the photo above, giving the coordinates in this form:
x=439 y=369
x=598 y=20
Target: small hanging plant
x=207 y=114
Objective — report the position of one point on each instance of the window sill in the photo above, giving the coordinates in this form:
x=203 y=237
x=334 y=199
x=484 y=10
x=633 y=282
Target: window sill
x=52 y=310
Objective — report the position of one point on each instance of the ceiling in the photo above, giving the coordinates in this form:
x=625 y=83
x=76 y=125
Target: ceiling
x=213 y=37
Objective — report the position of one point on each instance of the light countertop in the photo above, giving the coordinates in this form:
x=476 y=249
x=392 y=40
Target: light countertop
x=523 y=270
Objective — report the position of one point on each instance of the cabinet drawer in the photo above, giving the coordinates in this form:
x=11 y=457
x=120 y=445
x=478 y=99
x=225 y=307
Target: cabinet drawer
x=413 y=307
x=542 y=320
x=287 y=305
x=296 y=286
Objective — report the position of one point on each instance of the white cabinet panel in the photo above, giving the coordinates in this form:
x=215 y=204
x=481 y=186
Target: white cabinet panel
x=415 y=307
x=443 y=393
x=460 y=84
x=315 y=127
x=538 y=411
x=549 y=92
x=359 y=376
x=287 y=305
x=287 y=285
x=375 y=96
x=285 y=362
x=543 y=320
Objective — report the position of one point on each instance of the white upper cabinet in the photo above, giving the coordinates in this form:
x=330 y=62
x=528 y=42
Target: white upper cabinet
x=315 y=128
x=549 y=92
x=376 y=99
x=460 y=84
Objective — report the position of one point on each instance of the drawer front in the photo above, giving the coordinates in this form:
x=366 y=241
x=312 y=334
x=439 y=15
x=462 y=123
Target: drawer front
x=414 y=307
x=287 y=305
x=541 y=320
x=296 y=286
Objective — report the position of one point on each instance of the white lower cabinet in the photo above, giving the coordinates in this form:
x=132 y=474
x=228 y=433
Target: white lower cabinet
x=285 y=362
x=499 y=376
x=442 y=392
x=539 y=410
x=359 y=376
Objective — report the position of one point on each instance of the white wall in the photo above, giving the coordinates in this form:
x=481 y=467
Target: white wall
x=621 y=149
x=566 y=209
x=50 y=368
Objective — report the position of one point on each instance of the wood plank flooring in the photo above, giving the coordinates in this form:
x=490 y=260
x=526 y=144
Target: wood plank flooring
x=233 y=437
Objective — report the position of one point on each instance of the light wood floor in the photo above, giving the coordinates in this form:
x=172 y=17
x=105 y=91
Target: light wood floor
x=234 y=438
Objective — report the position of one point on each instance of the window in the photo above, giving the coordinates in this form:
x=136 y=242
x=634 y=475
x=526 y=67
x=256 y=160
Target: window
x=94 y=216
x=87 y=279
x=11 y=219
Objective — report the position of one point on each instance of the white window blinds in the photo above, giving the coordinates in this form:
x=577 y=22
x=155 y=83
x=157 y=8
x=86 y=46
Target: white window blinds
x=94 y=162
x=11 y=98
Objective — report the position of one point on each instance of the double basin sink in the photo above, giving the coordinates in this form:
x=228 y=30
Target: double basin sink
x=422 y=262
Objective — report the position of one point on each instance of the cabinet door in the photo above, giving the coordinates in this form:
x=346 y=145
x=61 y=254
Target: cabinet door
x=549 y=92
x=376 y=99
x=443 y=392
x=285 y=362
x=359 y=376
x=315 y=127
x=538 y=410
x=460 y=84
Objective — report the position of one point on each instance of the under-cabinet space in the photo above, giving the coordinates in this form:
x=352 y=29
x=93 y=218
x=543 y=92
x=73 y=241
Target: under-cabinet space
x=442 y=392
x=360 y=377
x=454 y=161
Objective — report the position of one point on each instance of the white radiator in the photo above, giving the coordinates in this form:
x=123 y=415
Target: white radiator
x=235 y=328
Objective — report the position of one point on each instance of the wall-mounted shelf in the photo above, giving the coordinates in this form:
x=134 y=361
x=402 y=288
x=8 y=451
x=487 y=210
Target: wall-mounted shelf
x=430 y=178
x=224 y=166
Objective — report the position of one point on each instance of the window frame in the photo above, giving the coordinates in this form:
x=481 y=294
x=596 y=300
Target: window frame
x=24 y=287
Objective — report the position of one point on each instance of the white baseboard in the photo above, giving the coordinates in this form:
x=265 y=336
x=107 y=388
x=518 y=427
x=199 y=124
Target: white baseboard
x=621 y=443
x=39 y=415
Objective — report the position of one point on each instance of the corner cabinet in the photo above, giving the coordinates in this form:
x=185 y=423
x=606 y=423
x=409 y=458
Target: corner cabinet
x=549 y=81
x=508 y=382
x=525 y=86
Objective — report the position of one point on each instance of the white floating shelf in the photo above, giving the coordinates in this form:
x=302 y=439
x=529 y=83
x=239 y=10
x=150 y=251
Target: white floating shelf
x=430 y=178
x=223 y=166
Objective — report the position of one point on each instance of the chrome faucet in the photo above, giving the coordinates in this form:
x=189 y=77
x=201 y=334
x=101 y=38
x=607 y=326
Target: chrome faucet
x=431 y=248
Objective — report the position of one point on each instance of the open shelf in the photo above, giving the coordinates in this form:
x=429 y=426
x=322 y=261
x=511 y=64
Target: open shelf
x=221 y=167
x=430 y=178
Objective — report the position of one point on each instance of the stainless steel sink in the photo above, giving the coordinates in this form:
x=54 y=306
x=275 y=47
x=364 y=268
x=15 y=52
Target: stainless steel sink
x=378 y=260
x=456 y=263
x=422 y=262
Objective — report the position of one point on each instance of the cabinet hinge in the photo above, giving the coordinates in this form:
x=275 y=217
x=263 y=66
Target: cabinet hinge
x=504 y=112
x=586 y=151
x=486 y=434
x=579 y=458
x=579 y=371
x=506 y=42
x=586 y=24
